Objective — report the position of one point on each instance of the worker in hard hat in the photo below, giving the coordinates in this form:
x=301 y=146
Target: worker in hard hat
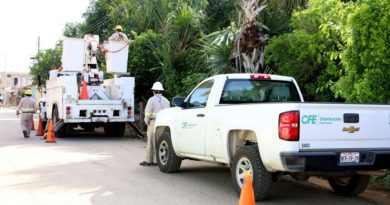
x=27 y=108
x=118 y=35
x=155 y=104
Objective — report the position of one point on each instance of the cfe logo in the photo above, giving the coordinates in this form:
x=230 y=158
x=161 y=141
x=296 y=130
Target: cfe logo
x=309 y=119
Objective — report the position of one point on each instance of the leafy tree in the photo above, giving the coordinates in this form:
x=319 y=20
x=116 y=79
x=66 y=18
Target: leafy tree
x=218 y=45
x=277 y=15
x=48 y=59
x=142 y=63
x=216 y=50
x=73 y=30
x=220 y=14
x=140 y=15
x=367 y=57
x=98 y=20
x=180 y=24
x=312 y=53
x=248 y=49
x=178 y=54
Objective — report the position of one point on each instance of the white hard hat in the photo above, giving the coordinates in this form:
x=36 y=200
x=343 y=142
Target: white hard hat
x=158 y=86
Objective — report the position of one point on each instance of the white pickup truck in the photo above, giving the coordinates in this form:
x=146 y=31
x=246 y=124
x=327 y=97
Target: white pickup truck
x=261 y=123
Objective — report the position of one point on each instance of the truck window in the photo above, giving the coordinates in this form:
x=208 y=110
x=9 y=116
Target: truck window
x=256 y=91
x=198 y=98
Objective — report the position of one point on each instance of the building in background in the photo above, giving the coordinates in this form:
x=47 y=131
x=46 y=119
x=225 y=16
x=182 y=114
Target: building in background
x=13 y=83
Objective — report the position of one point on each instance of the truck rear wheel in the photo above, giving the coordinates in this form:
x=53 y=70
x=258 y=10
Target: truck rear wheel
x=115 y=129
x=349 y=186
x=248 y=158
x=61 y=132
x=167 y=160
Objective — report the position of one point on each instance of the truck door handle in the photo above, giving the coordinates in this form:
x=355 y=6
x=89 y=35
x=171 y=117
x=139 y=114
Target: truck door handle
x=200 y=115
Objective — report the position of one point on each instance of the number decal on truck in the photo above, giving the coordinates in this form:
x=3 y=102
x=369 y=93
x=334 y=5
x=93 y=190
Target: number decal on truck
x=305 y=145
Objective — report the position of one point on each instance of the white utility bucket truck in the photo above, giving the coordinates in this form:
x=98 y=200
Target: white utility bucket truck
x=99 y=103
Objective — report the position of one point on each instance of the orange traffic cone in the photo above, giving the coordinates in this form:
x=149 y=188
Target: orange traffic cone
x=41 y=130
x=32 y=125
x=50 y=137
x=247 y=196
x=84 y=91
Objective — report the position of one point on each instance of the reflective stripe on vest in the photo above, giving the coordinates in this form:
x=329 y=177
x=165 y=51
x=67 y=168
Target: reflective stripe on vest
x=27 y=109
x=150 y=114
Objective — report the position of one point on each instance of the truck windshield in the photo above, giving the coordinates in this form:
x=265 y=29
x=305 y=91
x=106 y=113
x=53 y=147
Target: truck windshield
x=255 y=91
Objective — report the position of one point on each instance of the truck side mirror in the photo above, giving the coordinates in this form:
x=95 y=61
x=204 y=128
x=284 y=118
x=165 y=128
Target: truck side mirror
x=178 y=101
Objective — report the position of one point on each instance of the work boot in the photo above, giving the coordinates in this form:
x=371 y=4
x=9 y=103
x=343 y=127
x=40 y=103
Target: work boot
x=144 y=163
x=154 y=164
x=25 y=133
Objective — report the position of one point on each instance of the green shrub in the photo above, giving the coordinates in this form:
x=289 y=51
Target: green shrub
x=381 y=182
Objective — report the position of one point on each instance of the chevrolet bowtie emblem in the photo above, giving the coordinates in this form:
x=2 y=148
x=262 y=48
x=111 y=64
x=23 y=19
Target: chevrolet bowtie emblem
x=351 y=129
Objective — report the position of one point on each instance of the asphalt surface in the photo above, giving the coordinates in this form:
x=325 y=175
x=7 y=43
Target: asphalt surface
x=94 y=169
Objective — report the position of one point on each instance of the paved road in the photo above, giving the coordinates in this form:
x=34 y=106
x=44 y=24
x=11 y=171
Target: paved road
x=94 y=169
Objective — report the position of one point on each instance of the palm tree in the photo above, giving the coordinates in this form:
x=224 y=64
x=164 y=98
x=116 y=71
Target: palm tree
x=216 y=49
x=249 y=47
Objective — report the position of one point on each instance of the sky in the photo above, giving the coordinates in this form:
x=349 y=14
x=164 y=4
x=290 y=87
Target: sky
x=22 y=21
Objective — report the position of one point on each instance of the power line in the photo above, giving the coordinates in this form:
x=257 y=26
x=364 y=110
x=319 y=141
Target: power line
x=96 y=24
x=100 y=22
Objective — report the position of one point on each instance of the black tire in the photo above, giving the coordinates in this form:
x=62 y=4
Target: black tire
x=167 y=159
x=115 y=129
x=248 y=158
x=60 y=133
x=349 y=186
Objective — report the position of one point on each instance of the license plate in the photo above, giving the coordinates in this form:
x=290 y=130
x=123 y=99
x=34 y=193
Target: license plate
x=99 y=119
x=349 y=157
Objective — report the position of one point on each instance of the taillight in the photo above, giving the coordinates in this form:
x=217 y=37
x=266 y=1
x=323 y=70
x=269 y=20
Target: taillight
x=129 y=111
x=289 y=126
x=68 y=109
x=260 y=76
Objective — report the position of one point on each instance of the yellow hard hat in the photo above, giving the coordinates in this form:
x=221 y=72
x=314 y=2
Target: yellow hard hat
x=118 y=27
x=28 y=92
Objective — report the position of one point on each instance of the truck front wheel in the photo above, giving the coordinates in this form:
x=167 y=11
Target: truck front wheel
x=349 y=186
x=248 y=158
x=167 y=160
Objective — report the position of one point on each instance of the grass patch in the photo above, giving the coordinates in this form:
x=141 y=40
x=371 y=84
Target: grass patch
x=380 y=182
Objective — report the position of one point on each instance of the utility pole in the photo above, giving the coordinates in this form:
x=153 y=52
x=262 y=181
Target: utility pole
x=39 y=49
x=6 y=70
x=37 y=56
